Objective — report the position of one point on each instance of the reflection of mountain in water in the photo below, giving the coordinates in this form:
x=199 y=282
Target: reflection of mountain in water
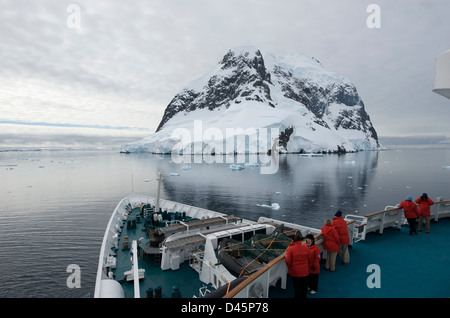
x=308 y=190
x=337 y=183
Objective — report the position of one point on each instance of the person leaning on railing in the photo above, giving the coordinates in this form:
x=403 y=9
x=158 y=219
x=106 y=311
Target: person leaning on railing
x=411 y=213
x=330 y=244
x=341 y=227
x=424 y=203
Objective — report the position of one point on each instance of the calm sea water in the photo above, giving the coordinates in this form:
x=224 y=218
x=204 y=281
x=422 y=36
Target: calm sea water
x=54 y=205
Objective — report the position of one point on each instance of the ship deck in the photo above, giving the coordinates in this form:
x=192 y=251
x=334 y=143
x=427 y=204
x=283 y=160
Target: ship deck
x=185 y=279
x=410 y=266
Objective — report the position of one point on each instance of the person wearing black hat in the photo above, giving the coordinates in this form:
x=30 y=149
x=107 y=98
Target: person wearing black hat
x=314 y=269
x=344 y=239
x=424 y=211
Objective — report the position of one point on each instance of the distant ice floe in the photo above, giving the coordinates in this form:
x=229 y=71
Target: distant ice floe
x=311 y=155
x=236 y=167
x=174 y=174
x=9 y=167
x=445 y=167
x=274 y=206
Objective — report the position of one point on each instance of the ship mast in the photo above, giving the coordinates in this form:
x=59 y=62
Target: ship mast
x=158 y=192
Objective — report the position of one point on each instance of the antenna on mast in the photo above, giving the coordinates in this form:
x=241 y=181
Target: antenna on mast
x=158 y=192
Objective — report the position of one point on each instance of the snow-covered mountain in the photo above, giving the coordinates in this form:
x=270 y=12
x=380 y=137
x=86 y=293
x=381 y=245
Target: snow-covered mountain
x=292 y=101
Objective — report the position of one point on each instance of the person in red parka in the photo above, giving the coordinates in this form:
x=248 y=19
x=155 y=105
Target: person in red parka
x=411 y=213
x=298 y=261
x=424 y=211
x=330 y=244
x=314 y=270
x=341 y=227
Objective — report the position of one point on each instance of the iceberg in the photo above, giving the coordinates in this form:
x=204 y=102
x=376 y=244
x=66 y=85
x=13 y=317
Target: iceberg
x=236 y=167
x=273 y=206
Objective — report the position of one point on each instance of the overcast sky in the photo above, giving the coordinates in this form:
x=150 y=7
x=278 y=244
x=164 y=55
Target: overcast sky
x=112 y=72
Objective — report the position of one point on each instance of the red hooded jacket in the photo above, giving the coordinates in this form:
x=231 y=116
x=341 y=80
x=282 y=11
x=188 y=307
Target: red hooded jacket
x=331 y=237
x=410 y=209
x=341 y=227
x=314 y=250
x=424 y=206
x=298 y=259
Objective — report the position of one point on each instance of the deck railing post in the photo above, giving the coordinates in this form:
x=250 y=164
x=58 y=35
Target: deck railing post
x=383 y=217
x=135 y=270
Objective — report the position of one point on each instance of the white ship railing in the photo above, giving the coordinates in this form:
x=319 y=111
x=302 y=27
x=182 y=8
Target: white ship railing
x=257 y=285
x=109 y=240
x=137 y=292
x=391 y=216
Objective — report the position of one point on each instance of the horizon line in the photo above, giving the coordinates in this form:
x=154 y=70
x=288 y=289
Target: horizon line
x=69 y=125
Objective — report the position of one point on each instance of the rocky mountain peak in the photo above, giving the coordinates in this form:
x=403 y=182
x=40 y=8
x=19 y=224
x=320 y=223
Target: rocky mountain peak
x=315 y=109
x=240 y=76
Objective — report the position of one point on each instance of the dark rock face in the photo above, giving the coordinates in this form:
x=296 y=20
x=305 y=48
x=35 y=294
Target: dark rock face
x=242 y=77
x=317 y=99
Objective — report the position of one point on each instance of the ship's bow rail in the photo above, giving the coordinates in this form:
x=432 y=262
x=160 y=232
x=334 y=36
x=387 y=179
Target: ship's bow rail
x=105 y=286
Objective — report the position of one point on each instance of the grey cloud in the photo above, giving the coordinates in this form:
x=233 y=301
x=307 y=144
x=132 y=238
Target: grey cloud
x=146 y=51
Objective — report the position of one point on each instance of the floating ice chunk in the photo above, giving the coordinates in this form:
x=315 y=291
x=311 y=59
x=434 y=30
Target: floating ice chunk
x=445 y=167
x=277 y=192
x=252 y=164
x=186 y=168
x=174 y=174
x=236 y=167
x=147 y=180
x=274 y=206
x=311 y=155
